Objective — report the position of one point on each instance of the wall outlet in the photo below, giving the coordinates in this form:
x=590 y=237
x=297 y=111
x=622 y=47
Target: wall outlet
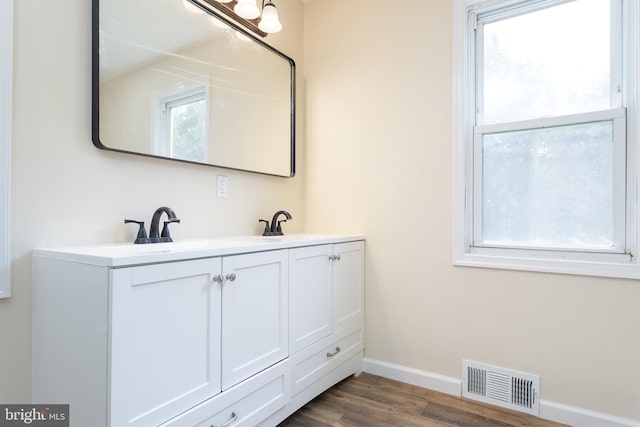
x=223 y=187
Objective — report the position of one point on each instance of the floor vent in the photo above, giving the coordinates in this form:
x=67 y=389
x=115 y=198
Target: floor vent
x=502 y=387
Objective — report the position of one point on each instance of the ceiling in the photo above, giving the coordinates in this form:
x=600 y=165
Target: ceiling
x=134 y=33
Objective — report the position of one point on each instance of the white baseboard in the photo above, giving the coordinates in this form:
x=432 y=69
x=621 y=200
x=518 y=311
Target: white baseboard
x=413 y=376
x=581 y=417
x=573 y=416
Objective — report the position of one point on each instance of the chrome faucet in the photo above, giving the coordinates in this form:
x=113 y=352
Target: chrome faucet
x=275 y=229
x=154 y=235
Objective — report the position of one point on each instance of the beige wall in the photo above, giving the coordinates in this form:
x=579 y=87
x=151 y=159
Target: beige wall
x=379 y=156
x=66 y=192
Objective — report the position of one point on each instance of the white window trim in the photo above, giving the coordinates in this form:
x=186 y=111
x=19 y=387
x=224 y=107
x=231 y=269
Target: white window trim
x=463 y=109
x=159 y=101
x=167 y=103
x=6 y=66
x=617 y=117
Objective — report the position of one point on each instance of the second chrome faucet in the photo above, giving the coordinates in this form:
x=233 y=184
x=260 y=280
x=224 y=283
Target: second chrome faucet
x=275 y=229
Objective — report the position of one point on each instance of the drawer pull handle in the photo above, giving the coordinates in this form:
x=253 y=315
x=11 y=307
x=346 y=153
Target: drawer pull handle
x=233 y=418
x=231 y=277
x=334 y=257
x=334 y=353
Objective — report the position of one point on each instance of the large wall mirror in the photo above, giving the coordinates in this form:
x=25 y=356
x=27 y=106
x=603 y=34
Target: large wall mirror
x=172 y=79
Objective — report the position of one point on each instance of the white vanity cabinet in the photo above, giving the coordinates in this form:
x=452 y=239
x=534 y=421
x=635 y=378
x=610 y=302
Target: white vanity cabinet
x=327 y=291
x=311 y=295
x=326 y=306
x=348 y=284
x=162 y=334
x=254 y=314
x=164 y=340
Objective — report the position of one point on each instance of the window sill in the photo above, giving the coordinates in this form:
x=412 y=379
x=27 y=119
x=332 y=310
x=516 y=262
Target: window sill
x=624 y=270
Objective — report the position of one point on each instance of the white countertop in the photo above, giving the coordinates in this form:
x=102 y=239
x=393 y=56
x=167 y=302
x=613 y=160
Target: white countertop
x=127 y=254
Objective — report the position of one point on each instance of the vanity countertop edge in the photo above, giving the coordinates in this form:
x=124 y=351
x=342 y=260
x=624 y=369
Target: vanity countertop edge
x=128 y=254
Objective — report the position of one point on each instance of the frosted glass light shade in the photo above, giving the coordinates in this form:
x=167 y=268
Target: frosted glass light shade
x=247 y=9
x=224 y=1
x=270 y=23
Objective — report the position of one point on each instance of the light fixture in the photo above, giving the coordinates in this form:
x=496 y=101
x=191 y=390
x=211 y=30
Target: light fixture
x=247 y=9
x=270 y=22
x=248 y=13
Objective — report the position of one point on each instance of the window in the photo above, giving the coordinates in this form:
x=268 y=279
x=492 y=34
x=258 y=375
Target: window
x=546 y=135
x=6 y=56
x=182 y=125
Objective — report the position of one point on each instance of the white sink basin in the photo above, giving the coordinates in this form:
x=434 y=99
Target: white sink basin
x=125 y=250
x=158 y=248
x=254 y=239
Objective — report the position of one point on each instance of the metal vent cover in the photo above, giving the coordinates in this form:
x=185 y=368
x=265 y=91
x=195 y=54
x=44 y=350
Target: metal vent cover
x=502 y=387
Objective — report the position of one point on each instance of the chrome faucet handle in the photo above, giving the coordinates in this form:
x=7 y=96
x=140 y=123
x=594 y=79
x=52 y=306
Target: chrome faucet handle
x=279 y=228
x=141 y=238
x=165 y=236
x=267 y=229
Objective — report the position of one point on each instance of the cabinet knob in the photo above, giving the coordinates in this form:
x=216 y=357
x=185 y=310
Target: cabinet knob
x=218 y=279
x=334 y=353
x=231 y=277
x=233 y=418
x=334 y=257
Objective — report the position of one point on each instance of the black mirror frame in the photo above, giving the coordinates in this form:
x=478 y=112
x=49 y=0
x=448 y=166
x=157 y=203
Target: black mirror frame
x=95 y=92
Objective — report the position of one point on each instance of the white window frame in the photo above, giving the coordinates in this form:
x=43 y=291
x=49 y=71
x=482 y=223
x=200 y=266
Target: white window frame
x=161 y=102
x=167 y=104
x=6 y=69
x=530 y=259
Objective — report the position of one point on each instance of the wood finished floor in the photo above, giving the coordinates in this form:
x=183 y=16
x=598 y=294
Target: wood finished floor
x=372 y=401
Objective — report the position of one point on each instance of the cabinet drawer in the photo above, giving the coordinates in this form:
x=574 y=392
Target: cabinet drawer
x=246 y=404
x=317 y=360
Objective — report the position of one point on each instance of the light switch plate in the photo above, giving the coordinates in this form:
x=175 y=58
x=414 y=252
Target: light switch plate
x=223 y=187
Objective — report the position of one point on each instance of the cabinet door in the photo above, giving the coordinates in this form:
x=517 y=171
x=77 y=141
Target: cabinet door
x=310 y=295
x=165 y=338
x=254 y=314
x=348 y=284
